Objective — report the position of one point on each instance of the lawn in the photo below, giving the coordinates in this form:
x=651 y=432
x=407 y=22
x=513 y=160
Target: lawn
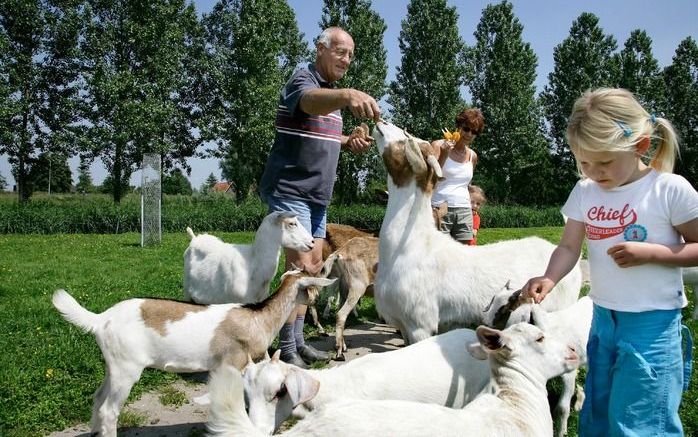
x=50 y=368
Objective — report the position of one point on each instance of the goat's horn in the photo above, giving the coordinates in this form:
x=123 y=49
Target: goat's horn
x=434 y=163
x=249 y=359
x=414 y=155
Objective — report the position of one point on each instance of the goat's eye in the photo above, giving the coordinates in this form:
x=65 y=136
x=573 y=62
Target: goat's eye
x=540 y=339
x=282 y=391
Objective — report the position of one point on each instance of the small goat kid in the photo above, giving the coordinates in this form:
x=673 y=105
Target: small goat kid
x=521 y=360
x=218 y=272
x=178 y=337
x=435 y=370
x=354 y=264
x=427 y=282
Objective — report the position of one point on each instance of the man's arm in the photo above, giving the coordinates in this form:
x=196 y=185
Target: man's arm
x=321 y=101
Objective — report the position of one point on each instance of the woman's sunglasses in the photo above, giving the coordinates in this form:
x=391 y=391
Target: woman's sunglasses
x=467 y=129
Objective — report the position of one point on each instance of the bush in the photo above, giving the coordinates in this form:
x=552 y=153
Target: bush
x=97 y=214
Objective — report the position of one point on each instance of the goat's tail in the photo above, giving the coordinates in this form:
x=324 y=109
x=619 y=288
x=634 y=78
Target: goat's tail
x=73 y=312
x=227 y=416
x=191 y=233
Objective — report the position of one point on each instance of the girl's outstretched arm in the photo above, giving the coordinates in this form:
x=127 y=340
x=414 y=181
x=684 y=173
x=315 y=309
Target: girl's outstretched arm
x=563 y=259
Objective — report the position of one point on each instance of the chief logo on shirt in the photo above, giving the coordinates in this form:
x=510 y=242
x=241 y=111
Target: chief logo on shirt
x=608 y=222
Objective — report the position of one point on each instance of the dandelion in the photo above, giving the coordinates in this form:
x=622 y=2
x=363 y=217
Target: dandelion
x=451 y=136
x=49 y=373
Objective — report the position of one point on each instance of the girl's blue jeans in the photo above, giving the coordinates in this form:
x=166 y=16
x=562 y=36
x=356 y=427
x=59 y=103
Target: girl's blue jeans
x=635 y=375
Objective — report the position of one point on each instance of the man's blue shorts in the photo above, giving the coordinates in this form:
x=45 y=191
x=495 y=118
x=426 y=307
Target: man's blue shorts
x=312 y=216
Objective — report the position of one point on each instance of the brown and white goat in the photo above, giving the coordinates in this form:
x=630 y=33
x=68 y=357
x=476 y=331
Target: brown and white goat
x=355 y=265
x=178 y=337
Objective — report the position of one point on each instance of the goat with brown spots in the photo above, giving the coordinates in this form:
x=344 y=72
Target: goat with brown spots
x=178 y=337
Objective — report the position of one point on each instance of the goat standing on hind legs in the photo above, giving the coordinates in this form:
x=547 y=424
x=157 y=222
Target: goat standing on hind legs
x=426 y=282
x=178 y=337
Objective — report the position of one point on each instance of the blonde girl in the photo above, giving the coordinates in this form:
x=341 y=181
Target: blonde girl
x=641 y=225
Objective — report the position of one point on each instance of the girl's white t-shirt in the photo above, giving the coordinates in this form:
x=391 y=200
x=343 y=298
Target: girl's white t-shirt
x=644 y=210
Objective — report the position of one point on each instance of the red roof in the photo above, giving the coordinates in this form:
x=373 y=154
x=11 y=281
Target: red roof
x=222 y=187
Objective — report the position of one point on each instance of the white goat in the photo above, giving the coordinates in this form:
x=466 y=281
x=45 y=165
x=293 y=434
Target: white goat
x=427 y=282
x=690 y=277
x=218 y=272
x=178 y=337
x=572 y=323
x=436 y=370
x=354 y=264
x=521 y=358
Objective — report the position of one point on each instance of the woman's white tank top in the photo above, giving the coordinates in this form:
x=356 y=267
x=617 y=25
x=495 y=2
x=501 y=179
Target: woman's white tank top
x=454 y=187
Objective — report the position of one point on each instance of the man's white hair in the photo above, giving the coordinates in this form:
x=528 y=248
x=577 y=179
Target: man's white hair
x=325 y=38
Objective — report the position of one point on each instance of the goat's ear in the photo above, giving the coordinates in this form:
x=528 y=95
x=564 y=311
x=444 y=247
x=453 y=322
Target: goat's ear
x=266 y=355
x=476 y=351
x=508 y=284
x=434 y=164
x=301 y=386
x=490 y=339
x=249 y=359
x=276 y=356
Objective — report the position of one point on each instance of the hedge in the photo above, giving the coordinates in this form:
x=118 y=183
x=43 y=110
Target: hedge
x=98 y=214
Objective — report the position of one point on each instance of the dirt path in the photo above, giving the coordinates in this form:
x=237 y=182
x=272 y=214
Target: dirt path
x=189 y=420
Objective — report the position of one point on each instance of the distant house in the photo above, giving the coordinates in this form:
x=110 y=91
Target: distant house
x=223 y=187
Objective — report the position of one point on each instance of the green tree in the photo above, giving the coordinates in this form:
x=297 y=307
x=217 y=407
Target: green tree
x=176 y=183
x=426 y=93
x=367 y=73
x=254 y=46
x=582 y=61
x=84 y=184
x=107 y=186
x=638 y=71
x=514 y=164
x=209 y=183
x=681 y=81
x=51 y=173
x=39 y=70
x=144 y=96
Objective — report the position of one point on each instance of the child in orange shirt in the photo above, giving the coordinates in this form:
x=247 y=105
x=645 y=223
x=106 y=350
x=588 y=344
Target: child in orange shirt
x=477 y=199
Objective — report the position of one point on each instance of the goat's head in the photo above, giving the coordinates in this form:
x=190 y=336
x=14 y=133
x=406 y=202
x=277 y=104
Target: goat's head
x=527 y=348
x=507 y=308
x=407 y=157
x=273 y=389
x=292 y=234
x=308 y=286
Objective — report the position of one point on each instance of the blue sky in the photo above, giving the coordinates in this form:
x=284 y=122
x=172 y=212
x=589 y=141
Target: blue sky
x=546 y=24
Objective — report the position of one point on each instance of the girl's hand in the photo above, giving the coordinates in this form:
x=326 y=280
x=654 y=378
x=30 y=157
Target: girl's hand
x=631 y=253
x=447 y=145
x=537 y=288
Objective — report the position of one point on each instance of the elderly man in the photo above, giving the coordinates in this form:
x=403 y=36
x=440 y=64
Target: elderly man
x=302 y=165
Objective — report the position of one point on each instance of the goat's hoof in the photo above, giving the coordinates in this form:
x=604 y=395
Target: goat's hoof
x=339 y=357
x=323 y=334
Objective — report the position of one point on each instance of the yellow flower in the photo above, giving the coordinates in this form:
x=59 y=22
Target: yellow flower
x=49 y=373
x=451 y=136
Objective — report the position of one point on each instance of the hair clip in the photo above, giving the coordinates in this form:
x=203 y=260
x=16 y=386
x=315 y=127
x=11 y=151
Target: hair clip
x=653 y=118
x=626 y=129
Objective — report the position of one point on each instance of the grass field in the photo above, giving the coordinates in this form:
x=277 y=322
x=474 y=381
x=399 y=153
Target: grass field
x=50 y=369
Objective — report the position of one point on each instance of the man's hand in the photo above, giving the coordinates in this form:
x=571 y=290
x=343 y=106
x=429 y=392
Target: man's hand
x=631 y=253
x=359 y=140
x=362 y=105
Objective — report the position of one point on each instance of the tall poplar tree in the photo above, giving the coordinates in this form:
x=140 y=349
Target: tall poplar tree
x=513 y=164
x=426 y=93
x=638 y=71
x=39 y=70
x=366 y=73
x=582 y=61
x=681 y=79
x=254 y=46
x=140 y=58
